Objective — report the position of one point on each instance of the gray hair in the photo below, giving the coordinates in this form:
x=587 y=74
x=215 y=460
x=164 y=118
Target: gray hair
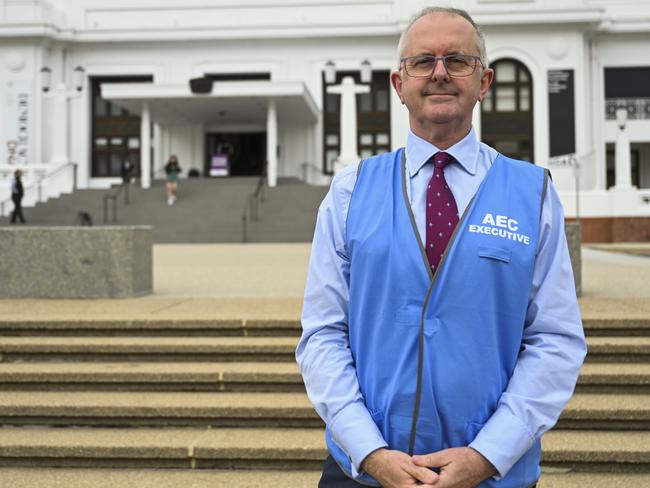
x=445 y=10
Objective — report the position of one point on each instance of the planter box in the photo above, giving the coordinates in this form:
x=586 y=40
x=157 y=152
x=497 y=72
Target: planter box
x=76 y=262
x=574 y=238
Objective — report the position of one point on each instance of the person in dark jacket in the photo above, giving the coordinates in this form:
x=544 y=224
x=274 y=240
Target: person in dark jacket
x=17 y=192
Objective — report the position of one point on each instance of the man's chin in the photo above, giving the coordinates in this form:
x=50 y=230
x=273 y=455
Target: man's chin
x=440 y=115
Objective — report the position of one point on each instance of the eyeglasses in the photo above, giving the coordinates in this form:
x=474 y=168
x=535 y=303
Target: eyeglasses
x=457 y=65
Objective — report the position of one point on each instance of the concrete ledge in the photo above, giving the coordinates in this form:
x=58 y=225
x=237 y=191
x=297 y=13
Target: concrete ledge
x=574 y=238
x=76 y=262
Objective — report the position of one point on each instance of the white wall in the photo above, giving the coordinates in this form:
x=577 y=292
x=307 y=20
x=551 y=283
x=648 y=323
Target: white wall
x=294 y=39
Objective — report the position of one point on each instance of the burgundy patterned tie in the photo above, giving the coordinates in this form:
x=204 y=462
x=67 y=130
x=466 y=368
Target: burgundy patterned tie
x=441 y=213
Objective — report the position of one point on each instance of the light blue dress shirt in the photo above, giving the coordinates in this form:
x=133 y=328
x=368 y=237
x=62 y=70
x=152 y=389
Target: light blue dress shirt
x=323 y=351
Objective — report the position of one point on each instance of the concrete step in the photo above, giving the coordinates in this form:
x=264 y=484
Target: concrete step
x=157 y=409
x=593 y=480
x=223 y=448
x=585 y=411
x=237 y=327
x=614 y=378
x=149 y=327
x=192 y=219
x=601 y=349
x=147 y=348
x=610 y=349
x=243 y=376
x=616 y=326
x=215 y=478
x=602 y=411
x=226 y=448
x=165 y=376
x=155 y=478
x=597 y=451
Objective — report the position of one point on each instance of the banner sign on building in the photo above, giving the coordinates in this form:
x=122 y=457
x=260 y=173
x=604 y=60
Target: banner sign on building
x=18 y=122
x=561 y=112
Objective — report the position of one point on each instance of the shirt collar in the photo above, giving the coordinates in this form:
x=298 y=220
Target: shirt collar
x=419 y=151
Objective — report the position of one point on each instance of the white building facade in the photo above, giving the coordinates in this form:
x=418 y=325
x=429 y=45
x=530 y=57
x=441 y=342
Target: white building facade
x=118 y=73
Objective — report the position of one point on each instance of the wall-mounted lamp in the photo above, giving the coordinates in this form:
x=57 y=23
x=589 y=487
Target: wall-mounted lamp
x=621 y=117
x=366 y=71
x=78 y=77
x=46 y=78
x=330 y=72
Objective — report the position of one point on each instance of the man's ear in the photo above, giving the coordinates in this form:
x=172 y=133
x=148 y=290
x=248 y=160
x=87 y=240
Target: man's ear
x=396 y=81
x=486 y=80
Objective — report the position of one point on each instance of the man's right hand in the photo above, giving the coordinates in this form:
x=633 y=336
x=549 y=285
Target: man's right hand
x=395 y=469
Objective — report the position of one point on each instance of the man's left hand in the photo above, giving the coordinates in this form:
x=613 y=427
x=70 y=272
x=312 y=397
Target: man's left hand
x=460 y=467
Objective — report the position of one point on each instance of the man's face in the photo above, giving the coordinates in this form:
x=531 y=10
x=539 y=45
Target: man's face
x=441 y=99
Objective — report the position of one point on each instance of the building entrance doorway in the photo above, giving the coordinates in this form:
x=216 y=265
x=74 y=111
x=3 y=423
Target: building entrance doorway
x=242 y=154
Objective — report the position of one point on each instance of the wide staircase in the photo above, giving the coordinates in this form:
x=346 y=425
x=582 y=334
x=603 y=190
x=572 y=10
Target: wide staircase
x=208 y=210
x=164 y=403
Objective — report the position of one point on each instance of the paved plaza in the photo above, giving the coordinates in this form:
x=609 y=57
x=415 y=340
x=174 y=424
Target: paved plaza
x=267 y=281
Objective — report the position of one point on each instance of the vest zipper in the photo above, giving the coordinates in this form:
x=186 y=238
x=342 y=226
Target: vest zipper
x=434 y=279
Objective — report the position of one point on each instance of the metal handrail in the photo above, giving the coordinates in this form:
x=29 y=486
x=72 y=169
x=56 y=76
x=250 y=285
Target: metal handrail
x=39 y=184
x=252 y=211
x=112 y=197
x=306 y=165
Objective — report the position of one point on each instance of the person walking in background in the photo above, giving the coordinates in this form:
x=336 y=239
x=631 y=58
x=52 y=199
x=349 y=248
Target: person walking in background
x=440 y=322
x=17 y=192
x=172 y=169
x=127 y=170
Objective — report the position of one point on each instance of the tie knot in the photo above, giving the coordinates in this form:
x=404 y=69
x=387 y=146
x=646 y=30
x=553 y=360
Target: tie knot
x=442 y=159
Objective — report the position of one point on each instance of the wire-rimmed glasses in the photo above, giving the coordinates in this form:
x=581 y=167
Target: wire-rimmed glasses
x=423 y=65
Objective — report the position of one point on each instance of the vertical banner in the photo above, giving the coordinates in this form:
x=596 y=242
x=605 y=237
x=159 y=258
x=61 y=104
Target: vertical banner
x=18 y=122
x=561 y=112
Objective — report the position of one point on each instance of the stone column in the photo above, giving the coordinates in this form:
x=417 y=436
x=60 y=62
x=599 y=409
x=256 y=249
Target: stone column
x=348 y=91
x=59 y=132
x=272 y=144
x=623 y=161
x=158 y=161
x=145 y=146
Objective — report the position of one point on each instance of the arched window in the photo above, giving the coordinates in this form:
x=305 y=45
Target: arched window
x=507 y=110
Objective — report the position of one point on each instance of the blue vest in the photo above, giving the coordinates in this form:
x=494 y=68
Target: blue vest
x=434 y=353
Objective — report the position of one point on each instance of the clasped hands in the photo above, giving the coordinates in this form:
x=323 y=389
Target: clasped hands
x=460 y=467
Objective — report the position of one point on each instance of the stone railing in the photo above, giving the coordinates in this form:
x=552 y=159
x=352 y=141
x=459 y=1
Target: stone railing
x=76 y=262
x=40 y=183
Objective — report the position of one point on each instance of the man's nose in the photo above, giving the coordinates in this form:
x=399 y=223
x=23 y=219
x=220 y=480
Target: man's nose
x=439 y=71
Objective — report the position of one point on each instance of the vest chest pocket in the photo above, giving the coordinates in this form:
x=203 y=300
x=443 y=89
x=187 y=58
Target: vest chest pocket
x=496 y=253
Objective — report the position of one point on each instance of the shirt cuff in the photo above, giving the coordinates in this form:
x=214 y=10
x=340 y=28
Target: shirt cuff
x=503 y=440
x=356 y=433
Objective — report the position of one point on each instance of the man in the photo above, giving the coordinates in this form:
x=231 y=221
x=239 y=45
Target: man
x=17 y=193
x=441 y=332
x=127 y=170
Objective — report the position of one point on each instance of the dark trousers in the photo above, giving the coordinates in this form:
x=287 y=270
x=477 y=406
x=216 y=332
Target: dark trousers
x=18 y=210
x=334 y=477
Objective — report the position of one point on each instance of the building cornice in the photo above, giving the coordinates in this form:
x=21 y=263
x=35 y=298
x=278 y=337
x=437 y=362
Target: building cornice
x=28 y=30
x=502 y=16
x=586 y=19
